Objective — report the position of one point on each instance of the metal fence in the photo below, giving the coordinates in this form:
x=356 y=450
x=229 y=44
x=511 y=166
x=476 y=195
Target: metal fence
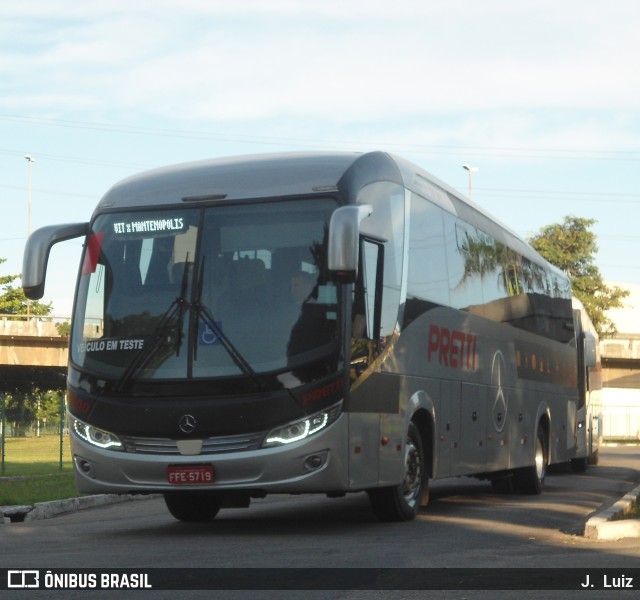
x=33 y=435
x=621 y=422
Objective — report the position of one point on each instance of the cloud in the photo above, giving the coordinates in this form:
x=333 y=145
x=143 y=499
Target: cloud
x=324 y=60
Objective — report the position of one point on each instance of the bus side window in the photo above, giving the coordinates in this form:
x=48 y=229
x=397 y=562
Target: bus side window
x=368 y=291
x=372 y=277
x=367 y=307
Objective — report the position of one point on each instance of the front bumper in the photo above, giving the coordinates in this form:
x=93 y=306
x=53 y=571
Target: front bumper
x=316 y=464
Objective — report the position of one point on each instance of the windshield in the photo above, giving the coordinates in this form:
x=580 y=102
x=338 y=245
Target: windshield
x=202 y=293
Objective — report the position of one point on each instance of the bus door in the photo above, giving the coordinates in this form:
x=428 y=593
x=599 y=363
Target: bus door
x=448 y=427
x=368 y=392
x=582 y=369
x=584 y=422
x=374 y=398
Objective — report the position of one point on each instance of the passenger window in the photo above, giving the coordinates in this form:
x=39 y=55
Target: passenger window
x=371 y=267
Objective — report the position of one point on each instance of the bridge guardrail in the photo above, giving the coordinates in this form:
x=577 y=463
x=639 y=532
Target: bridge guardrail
x=34 y=325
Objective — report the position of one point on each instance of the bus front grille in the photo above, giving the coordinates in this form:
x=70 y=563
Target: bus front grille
x=213 y=445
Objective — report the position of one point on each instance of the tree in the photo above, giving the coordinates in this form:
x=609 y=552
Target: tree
x=23 y=387
x=571 y=246
x=26 y=413
x=14 y=302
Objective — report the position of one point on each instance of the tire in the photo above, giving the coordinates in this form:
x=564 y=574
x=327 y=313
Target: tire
x=579 y=465
x=503 y=485
x=402 y=502
x=529 y=480
x=193 y=507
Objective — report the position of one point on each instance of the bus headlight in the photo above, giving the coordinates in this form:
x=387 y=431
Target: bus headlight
x=302 y=429
x=95 y=436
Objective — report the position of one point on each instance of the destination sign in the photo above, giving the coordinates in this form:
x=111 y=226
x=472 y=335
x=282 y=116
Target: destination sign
x=149 y=226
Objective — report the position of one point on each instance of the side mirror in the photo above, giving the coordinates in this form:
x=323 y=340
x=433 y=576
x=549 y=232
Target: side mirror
x=590 y=350
x=36 y=254
x=344 y=236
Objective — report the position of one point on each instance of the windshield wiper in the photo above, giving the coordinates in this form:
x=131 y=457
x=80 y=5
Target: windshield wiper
x=201 y=311
x=170 y=321
x=183 y=305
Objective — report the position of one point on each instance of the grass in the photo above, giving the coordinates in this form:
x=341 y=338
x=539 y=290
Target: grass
x=40 y=488
x=634 y=512
x=36 y=455
x=32 y=471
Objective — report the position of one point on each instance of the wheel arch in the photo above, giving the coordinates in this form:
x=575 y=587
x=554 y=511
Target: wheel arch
x=543 y=422
x=421 y=410
x=424 y=421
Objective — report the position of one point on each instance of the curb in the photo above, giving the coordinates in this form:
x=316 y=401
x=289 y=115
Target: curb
x=46 y=510
x=610 y=524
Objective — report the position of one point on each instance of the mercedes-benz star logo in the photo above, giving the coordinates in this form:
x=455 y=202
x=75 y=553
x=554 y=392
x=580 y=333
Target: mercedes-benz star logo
x=187 y=423
x=500 y=402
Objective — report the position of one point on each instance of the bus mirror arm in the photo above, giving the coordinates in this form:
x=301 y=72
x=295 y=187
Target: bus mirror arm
x=36 y=254
x=344 y=237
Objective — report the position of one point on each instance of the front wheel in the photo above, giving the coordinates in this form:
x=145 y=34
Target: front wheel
x=402 y=502
x=193 y=507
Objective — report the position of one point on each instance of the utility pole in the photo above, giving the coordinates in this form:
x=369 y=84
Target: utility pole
x=30 y=160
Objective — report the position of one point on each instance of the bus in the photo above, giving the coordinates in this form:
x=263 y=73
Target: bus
x=309 y=323
x=590 y=430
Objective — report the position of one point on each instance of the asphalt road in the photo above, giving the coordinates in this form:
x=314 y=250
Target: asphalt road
x=466 y=525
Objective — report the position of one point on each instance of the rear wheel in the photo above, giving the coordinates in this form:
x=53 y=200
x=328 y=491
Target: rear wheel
x=579 y=465
x=529 y=480
x=402 y=502
x=503 y=485
x=193 y=507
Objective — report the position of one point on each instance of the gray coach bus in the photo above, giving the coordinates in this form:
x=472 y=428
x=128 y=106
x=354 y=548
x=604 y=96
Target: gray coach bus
x=313 y=322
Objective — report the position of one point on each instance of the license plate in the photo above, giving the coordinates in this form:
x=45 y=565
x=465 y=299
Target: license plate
x=190 y=474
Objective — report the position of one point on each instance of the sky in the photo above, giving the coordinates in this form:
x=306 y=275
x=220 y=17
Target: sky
x=541 y=96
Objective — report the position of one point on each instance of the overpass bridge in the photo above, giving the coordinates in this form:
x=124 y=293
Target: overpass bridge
x=33 y=340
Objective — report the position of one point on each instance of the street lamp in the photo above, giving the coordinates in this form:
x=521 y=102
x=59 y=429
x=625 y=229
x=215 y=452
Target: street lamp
x=471 y=170
x=30 y=160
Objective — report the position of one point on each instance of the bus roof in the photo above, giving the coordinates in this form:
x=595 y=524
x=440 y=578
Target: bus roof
x=295 y=174
x=234 y=178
